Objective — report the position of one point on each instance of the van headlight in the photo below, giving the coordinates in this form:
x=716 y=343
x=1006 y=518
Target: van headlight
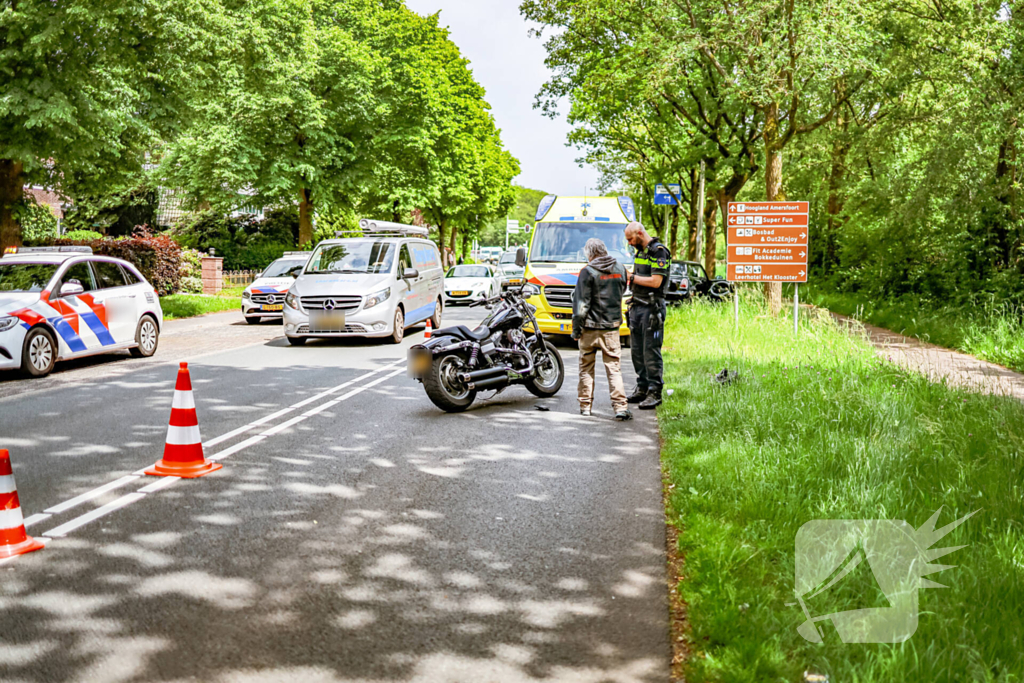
x=377 y=297
x=7 y=322
x=292 y=301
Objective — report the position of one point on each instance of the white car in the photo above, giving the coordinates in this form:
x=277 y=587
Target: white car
x=469 y=283
x=264 y=298
x=375 y=285
x=58 y=303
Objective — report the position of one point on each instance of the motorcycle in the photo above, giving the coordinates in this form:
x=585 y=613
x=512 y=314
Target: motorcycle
x=506 y=348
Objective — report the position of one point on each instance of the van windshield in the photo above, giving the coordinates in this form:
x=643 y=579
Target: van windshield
x=353 y=256
x=563 y=242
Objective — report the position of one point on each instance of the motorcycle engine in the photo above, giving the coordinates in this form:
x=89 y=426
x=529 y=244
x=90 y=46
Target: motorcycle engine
x=488 y=345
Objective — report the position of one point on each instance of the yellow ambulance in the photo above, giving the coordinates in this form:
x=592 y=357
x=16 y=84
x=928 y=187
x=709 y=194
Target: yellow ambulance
x=555 y=257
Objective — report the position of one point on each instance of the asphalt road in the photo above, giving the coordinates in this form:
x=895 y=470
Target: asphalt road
x=356 y=533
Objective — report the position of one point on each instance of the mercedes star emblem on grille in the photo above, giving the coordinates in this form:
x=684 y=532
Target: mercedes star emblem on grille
x=329 y=305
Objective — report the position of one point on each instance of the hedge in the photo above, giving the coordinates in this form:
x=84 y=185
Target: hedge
x=157 y=258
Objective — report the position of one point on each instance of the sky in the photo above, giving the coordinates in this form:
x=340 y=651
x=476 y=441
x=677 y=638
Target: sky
x=509 y=64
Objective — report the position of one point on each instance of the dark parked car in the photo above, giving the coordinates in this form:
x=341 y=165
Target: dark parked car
x=688 y=279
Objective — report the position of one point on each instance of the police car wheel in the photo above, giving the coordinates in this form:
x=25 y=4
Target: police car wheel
x=39 y=354
x=147 y=336
x=253 y=319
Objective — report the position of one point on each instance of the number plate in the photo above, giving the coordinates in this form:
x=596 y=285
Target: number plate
x=272 y=307
x=419 y=362
x=326 y=321
x=463 y=293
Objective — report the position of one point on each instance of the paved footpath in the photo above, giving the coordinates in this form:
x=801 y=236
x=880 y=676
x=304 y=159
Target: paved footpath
x=938 y=363
x=355 y=533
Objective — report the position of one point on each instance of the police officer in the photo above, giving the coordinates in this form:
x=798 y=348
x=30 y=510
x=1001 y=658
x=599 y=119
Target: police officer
x=649 y=282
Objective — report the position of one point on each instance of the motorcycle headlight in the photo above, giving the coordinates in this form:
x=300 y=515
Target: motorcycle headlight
x=7 y=322
x=377 y=297
x=292 y=301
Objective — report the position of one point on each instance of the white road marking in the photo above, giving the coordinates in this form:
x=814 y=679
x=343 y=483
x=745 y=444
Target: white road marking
x=124 y=500
x=35 y=519
x=165 y=482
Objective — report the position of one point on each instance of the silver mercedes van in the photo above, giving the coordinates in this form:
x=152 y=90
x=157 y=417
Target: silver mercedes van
x=373 y=285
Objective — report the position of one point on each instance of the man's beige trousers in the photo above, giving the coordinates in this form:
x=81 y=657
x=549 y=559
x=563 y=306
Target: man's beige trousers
x=606 y=341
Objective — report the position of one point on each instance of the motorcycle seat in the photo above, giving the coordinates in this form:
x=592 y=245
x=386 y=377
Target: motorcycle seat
x=463 y=332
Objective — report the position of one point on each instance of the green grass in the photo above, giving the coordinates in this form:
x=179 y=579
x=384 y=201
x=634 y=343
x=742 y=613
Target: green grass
x=190 y=305
x=817 y=427
x=990 y=331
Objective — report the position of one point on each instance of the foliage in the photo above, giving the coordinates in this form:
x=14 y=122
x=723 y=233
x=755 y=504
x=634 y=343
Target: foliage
x=81 y=235
x=818 y=427
x=191 y=271
x=525 y=211
x=37 y=221
x=244 y=242
x=114 y=213
x=89 y=86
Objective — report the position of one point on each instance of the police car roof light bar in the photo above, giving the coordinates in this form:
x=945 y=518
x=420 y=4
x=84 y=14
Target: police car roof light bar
x=297 y=253
x=38 y=250
x=382 y=227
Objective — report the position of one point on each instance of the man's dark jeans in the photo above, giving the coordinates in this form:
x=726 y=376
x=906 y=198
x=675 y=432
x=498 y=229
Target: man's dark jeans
x=646 y=332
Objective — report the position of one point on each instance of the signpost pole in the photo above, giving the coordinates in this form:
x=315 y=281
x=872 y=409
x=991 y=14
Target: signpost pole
x=796 y=308
x=736 y=309
x=700 y=217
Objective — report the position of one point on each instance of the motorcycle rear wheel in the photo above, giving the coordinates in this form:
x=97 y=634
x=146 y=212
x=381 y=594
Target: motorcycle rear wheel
x=443 y=387
x=547 y=379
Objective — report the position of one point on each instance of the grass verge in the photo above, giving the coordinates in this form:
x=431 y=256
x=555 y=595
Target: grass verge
x=177 y=306
x=992 y=332
x=819 y=428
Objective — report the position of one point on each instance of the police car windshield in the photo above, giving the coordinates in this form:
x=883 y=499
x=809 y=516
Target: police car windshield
x=563 y=242
x=284 y=268
x=468 y=271
x=352 y=256
x=26 y=277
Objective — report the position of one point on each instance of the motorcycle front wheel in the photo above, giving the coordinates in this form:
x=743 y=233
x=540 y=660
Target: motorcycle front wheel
x=548 y=372
x=444 y=388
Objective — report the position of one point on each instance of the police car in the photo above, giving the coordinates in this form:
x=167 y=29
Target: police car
x=264 y=298
x=58 y=303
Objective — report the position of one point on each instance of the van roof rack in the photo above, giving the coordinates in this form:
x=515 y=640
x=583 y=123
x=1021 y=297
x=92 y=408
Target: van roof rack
x=10 y=251
x=385 y=227
x=296 y=253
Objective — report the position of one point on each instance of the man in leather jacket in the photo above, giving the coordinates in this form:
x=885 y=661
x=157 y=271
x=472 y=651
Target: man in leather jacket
x=596 y=318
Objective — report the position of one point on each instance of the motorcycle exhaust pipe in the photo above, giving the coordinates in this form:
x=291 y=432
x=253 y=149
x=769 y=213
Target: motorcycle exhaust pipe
x=490 y=383
x=486 y=373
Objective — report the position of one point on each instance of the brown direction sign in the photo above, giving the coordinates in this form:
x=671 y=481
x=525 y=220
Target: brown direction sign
x=768 y=241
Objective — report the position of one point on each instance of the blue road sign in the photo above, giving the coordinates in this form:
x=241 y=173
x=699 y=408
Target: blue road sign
x=662 y=196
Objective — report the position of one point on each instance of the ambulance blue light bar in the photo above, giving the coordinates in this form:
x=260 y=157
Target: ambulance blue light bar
x=628 y=209
x=545 y=205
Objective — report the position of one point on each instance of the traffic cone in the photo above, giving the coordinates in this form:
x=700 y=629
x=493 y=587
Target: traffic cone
x=13 y=538
x=183 y=452
x=430 y=328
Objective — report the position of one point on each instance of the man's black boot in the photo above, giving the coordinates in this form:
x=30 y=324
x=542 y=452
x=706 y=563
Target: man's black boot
x=652 y=401
x=637 y=395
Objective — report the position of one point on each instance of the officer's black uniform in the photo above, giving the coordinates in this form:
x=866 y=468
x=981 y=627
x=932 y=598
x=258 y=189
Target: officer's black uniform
x=647 y=323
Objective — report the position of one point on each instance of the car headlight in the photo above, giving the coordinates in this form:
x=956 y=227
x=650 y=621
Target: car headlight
x=7 y=322
x=292 y=301
x=377 y=297
x=246 y=294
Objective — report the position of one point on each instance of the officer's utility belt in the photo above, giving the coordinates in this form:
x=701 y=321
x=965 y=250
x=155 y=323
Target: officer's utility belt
x=648 y=302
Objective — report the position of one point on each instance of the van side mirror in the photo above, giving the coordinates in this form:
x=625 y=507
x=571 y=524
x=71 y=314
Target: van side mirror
x=521 y=257
x=410 y=274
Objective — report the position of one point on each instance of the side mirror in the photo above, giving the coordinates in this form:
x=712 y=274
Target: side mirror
x=521 y=257
x=529 y=290
x=410 y=274
x=71 y=288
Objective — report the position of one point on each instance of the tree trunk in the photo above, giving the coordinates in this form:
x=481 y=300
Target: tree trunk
x=454 y=242
x=836 y=200
x=675 y=230
x=465 y=244
x=710 y=240
x=12 y=185
x=441 y=243
x=305 y=217
x=773 y=189
x=691 y=219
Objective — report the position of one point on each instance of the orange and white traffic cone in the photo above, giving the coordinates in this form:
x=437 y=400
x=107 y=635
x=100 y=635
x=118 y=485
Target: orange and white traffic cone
x=183 y=451
x=13 y=538
x=430 y=328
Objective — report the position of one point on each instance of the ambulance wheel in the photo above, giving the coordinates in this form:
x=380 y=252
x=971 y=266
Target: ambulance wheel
x=253 y=319
x=627 y=341
x=296 y=341
x=39 y=354
x=147 y=336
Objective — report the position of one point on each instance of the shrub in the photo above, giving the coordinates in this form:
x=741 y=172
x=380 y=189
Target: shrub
x=244 y=242
x=37 y=221
x=157 y=258
x=82 y=236
x=191 y=271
